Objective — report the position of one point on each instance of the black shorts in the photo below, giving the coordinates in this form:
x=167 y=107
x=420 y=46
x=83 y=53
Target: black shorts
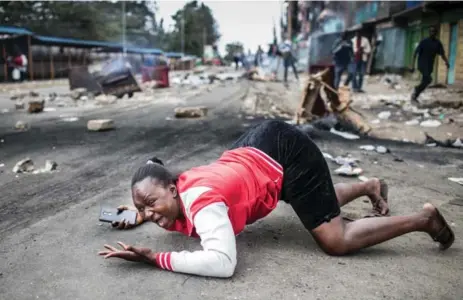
x=307 y=184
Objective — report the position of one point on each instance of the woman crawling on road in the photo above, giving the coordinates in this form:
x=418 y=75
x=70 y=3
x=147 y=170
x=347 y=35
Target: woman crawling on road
x=272 y=161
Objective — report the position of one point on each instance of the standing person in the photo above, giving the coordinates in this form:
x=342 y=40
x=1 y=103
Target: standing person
x=288 y=58
x=272 y=161
x=19 y=64
x=258 y=57
x=362 y=49
x=426 y=51
x=342 y=56
x=236 y=59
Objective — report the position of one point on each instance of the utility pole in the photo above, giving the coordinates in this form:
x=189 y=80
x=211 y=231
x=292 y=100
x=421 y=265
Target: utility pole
x=204 y=40
x=183 y=31
x=124 y=47
x=289 y=21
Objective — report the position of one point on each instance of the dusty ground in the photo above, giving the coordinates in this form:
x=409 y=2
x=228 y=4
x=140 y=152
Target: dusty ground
x=50 y=233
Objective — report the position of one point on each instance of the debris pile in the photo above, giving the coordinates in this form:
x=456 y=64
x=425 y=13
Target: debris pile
x=319 y=99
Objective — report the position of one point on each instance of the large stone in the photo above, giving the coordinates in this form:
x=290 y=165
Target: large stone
x=105 y=99
x=77 y=93
x=19 y=105
x=24 y=166
x=36 y=106
x=191 y=112
x=100 y=125
x=21 y=125
x=50 y=166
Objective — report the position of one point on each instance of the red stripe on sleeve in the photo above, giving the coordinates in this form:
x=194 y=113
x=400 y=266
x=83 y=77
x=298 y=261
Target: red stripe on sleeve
x=168 y=261
x=159 y=260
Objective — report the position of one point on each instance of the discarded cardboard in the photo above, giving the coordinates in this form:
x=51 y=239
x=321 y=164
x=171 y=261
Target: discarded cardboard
x=191 y=112
x=100 y=125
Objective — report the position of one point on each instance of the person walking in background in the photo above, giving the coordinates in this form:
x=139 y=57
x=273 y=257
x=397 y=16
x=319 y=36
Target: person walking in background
x=342 y=55
x=361 y=48
x=426 y=51
x=288 y=58
x=258 y=57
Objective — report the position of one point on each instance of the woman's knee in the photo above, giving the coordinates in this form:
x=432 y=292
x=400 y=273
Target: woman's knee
x=334 y=249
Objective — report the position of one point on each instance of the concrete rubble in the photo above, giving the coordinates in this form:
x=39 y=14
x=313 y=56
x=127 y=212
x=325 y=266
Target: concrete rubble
x=100 y=125
x=22 y=126
x=191 y=112
x=24 y=166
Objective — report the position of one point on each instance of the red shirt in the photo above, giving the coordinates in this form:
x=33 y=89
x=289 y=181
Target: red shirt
x=246 y=179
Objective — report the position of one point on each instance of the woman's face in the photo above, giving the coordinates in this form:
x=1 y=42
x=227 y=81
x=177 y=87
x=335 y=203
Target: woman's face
x=158 y=203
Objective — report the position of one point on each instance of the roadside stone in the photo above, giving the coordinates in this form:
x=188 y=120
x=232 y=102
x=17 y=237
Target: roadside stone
x=382 y=149
x=100 y=125
x=24 y=166
x=105 y=99
x=34 y=94
x=19 y=96
x=23 y=126
x=36 y=106
x=50 y=165
x=76 y=94
x=19 y=105
x=191 y=112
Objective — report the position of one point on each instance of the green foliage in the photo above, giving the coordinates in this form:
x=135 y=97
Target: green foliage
x=102 y=21
x=199 y=29
x=231 y=49
x=96 y=20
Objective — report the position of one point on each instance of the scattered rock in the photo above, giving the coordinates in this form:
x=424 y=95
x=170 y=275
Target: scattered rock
x=19 y=96
x=76 y=94
x=100 y=125
x=19 y=105
x=412 y=122
x=367 y=147
x=50 y=166
x=21 y=125
x=348 y=170
x=191 y=112
x=382 y=149
x=24 y=166
x=105 y=99
x=457 y=180
x=36 y=106
x=70 y=119
x=5 y=110
x=384 y=115
x=34 y=94
x=430 y=123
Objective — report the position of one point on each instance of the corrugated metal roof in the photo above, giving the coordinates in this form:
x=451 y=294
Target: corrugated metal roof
x=173 y=54
x=14 y=30
x=58 y=41
x=73 y=42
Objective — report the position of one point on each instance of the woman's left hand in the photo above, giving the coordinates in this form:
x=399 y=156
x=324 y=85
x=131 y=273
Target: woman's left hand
x=130 y=253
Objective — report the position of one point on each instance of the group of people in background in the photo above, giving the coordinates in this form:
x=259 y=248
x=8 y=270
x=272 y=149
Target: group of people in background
x=351 y=56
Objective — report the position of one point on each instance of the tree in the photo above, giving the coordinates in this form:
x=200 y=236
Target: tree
x=199 y=29
x=231 y=49
x=96 y=20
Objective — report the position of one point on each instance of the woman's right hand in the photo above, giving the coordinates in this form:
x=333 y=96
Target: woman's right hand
x=124 y=224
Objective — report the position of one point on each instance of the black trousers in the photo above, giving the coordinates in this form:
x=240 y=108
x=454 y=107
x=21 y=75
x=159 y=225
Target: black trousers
x=307 y=184
x=426 y=79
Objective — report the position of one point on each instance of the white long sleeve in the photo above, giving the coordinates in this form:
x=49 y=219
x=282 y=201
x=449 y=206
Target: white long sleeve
x=218 y=257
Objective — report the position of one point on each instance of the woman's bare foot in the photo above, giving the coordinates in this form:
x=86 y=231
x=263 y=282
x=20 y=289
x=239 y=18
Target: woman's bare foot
x=379 y=204
x=437 y=227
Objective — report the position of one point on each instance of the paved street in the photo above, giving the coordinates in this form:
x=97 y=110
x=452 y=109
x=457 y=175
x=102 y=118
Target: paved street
x=50 y=233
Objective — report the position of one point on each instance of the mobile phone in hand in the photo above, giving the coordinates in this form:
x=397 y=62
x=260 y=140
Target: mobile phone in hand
x=110 y=215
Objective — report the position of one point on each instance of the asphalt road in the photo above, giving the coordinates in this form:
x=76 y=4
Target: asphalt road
x=50 y=234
